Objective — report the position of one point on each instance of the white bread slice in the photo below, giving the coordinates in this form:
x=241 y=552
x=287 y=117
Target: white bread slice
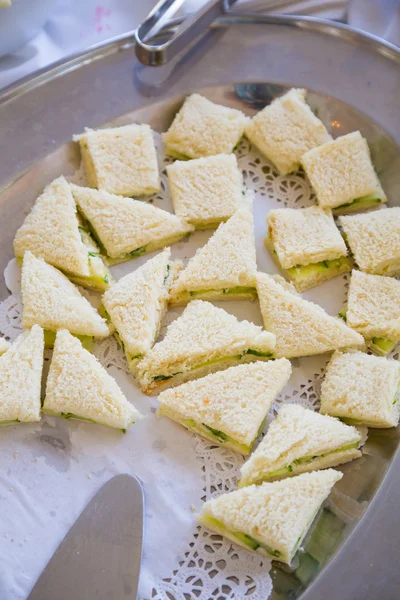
x=53 y=302
x=20 y=378
x=202 y=128
x=225 y=268
x=205 y=191
x=128 y=228
x=373 y=306
x=4 y=346
x=341 y=171
x=204 y=339
x=374 y=240
x=300 y=440
x=303 y=236
x=78 y=387
x=52 y=231
x=285 y=129
x=136 y=304
x=120 y=160
x=228 y=407
x=362 y=389
x=275 y=515
x=302 y=328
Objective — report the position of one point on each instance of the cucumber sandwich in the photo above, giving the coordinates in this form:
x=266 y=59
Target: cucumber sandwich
x=272 y=518
x=136 y=304
x=127 y=228
x=225 y=268
x=228 y=408
x=78 y=387
x=204 y=339
x=54 y=231
x=53 y=302
x=362 y=389
x=21 y=368
x=343 y=176
x=306 y=245
x=300 y=440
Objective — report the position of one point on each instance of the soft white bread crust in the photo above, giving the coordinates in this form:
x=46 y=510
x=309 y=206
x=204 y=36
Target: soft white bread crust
x=361 y=387
x=20 y=377
x=120 y=160
x=341 y=171
x=4 y=346
x=304 y=236
x=374 y=240
x=285 y=129
x=137 y=303
x=124 y=225
x=202 y=128
x=373 y=306
x=234 y=401
x=228 y=260
x=205 y=191
x=298 y=433
x=53 y=302
x=51 y=231
x=202 y=333
x=302 y=328
x=277 y=514
x=78 y=386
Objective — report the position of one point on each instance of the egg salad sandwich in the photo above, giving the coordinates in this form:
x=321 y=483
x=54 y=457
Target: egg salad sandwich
x=127 y=228
x=21 y=368
x=302 y=328
x=120 y=160
x=206 y=191
x=373 y=309
x=306 y=245
x=374 y=240
x=272 y=518
x=362 y=389
x=225 y=268
x=204 y=339
x=203 y=128
x=300 y=440
x=53 y=302
x=54 y=231
x=286 y=129
x=78 y=387
x=229 y=407
x=136 y=304
x=343 y=176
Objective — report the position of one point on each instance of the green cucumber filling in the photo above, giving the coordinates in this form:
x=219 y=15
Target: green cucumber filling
x=50 y=338
x=381 y=345
x=304 y=460
x=10 y=421
x=225 y=291
x=329 y=268
x=219 y=436
x=70 y=415
x=244 y=538
x=214 y=361
x=343 y=313
x=129 y=357
x=98 y=270
x=360 y=203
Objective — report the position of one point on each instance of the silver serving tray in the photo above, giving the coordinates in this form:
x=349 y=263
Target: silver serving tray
x=244 y=60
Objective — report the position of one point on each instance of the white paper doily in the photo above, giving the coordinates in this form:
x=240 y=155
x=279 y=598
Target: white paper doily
x=53 y=468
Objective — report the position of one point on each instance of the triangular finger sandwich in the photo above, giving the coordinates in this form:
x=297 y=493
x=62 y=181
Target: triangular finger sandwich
x=272 y=518
x=229 y=407
x=54 y=231
x=300 y=440
x=78 y=387
x=204 y=339
x=225 y=268
x=20 y=378
x=128 y=228
x=302 y=328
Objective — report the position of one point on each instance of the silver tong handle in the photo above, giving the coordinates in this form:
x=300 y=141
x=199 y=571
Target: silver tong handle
x=156 y=55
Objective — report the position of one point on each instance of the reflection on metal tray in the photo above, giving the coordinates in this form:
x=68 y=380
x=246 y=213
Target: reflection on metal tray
x=242 y=61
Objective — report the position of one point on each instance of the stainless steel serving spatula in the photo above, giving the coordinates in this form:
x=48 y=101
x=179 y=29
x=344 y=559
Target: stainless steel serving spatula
x=99 y=558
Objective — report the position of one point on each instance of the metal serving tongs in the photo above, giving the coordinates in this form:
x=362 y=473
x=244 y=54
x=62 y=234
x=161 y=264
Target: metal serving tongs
x=156 y=55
